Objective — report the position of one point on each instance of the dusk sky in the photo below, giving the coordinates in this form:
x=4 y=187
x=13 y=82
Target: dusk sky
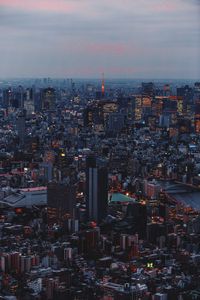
x=83 y=38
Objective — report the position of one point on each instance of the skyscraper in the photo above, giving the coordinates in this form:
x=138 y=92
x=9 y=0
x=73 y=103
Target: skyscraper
x=20 y=97
x=197 y=115
x=138 y=213
x=96 y=190
x=61 y=201
x=29 y=101
x=48 y=98
x=7 y=98
x=20 y=124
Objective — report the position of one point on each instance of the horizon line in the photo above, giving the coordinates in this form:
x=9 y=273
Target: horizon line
x=96 y=78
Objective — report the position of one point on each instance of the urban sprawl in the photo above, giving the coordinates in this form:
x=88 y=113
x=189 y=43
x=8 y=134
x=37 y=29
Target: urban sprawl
x=99 y=189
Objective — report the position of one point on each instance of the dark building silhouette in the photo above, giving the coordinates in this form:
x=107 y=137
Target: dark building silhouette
x=155 y=231
x=116 y=122
x=148 y=88
x=7 y=98
x=138 y=213
x=186 y=93
x=89 y=240
x=20 y=125
x=170 y=105
x=61 y=201
x=184 y=125
x=96 y=190
x=48 y=98
x=20 y=97
x=197 y=115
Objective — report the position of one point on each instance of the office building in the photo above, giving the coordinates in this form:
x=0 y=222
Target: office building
x=61 y=202
x=137 y=213
x=48 y=99
x=116 y=122
x=96 y=190
x=20 y=124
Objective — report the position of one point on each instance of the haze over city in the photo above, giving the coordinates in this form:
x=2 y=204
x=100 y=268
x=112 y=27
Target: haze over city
x=83 y=38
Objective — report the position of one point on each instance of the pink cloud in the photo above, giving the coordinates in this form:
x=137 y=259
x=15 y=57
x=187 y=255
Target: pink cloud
x=122 y=70
x=102 y=49
x=116 y=48
x=165 y=6
x=108 y=48
x=97 y=48
x=40 y=5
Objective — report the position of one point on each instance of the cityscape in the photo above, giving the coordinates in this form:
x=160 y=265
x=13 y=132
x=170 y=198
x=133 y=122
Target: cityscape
x=99 y=150
x=100 y=189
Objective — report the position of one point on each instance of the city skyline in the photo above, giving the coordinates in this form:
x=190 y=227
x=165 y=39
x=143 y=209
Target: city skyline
x=82 y=39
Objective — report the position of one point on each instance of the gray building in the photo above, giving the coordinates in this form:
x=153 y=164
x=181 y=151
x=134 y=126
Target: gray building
x=20 y=125
x=96 y=191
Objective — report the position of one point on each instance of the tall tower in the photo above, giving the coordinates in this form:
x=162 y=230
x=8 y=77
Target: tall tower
x=21 y=126
x=48 y=99
x=103 y=86
x=96 y=190
x=61 y=201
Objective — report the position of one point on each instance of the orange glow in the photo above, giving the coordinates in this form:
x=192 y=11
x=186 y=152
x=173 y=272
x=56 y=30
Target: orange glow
x=146 y=102
x=103 y=86
x=197 y=126
x=18 y=210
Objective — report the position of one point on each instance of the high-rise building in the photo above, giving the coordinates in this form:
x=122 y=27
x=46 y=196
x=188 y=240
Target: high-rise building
x=138 y=214
x=148 y=88
x=155 y=231
x=89 y=240
x=61 y=202
x=29 y=101
x=96 y=190
x=48 y=98
x=157 y=105
x=7 y=98
x=197 y=115
x=5 y=262
x=138 y=108
x=170 y=105
x=116 y=122
x=20 y=124
x=20 y=97
x=167 y=90
x=15 y=260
